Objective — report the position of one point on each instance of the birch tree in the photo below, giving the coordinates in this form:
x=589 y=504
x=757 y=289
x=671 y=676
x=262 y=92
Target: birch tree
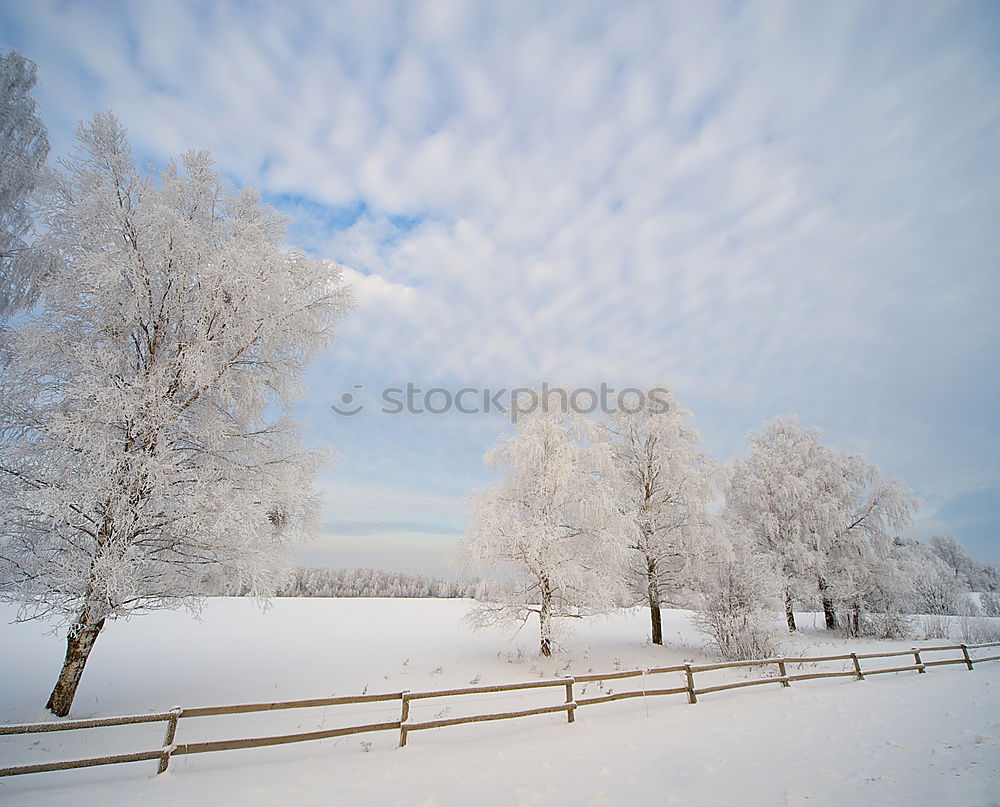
x=972 y=575
x=549 y=538
x=862 y=509
x=25 y=146
x=667 y=486
x=819 y=513
x=774 y=495
x=147 y=454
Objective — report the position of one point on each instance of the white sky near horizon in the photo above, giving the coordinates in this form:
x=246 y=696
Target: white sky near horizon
x=771 y=207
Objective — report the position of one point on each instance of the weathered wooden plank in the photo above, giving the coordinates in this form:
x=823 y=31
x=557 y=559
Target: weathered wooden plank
x=917 y=667
x=457 y=721
x=243 y=708
x=609 y=676
x=807 y=676
x=725 y=665
x=44 y=767
x=941 y=661
x=659 y=670
x=886 y=654
x=814 y=659
x=678 y=668
x=281 y=739
x=442 y=693
x=738 y=685
x=94 y=723
x=631 y=693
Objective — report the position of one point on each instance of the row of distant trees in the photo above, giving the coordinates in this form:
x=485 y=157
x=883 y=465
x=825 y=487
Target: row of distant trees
x=945 y=591
x=324 y=582
x=590 y=514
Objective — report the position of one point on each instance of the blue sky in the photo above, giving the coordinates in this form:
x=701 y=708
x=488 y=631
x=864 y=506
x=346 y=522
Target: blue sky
x=772 y=207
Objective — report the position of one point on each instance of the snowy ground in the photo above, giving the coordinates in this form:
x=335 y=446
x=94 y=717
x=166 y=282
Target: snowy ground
x=894 y=739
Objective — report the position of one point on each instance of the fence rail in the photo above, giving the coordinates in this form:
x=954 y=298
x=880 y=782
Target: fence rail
x=404 y=725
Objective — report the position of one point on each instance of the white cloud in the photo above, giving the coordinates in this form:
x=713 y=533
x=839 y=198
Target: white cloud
x=783 y=207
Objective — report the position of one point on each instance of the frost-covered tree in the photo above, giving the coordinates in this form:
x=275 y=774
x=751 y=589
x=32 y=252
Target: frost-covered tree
x=861 y=509
x=550 y=537
x=972 y=575
x=817 y=512
x=989 y=604
x=951 y=552
x=147 y=455
x=667 y=486
x=874 y=588
x=930 y=585
x=24 y=147
x=773 y=495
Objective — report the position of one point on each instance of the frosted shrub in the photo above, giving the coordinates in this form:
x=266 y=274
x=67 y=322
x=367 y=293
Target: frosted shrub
x=936 y=627
x=969 y=626
x=734 y=615
x=936 y=591
x=977 y=629
x=890 y=625
x=989 y=603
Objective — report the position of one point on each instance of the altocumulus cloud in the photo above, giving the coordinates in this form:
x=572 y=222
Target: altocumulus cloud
x=772 y=207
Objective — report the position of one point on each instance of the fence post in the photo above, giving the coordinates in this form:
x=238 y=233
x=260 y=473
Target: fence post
x=168 y=740
x=404 y=715
x=857 y=667
x=968 y=660
x=781 y=670
x=916 y=658
x=692 y=698
x=570 y=713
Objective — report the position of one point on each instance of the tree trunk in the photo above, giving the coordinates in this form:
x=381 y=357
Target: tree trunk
x=545 y=619
x=855 y=619
x=654 y=603
x=79 y=643
x=829 y=612
x=789 y=614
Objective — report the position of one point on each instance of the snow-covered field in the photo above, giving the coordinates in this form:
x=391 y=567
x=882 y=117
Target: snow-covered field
x=893 y=739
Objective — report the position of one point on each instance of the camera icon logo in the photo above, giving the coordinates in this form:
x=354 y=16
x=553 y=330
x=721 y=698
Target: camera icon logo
x=349 y=404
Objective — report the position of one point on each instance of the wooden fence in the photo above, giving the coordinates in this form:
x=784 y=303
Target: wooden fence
x=404 y=725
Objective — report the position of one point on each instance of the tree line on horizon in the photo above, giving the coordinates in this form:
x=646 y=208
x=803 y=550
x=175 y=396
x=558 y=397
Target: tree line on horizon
x=321 y=581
